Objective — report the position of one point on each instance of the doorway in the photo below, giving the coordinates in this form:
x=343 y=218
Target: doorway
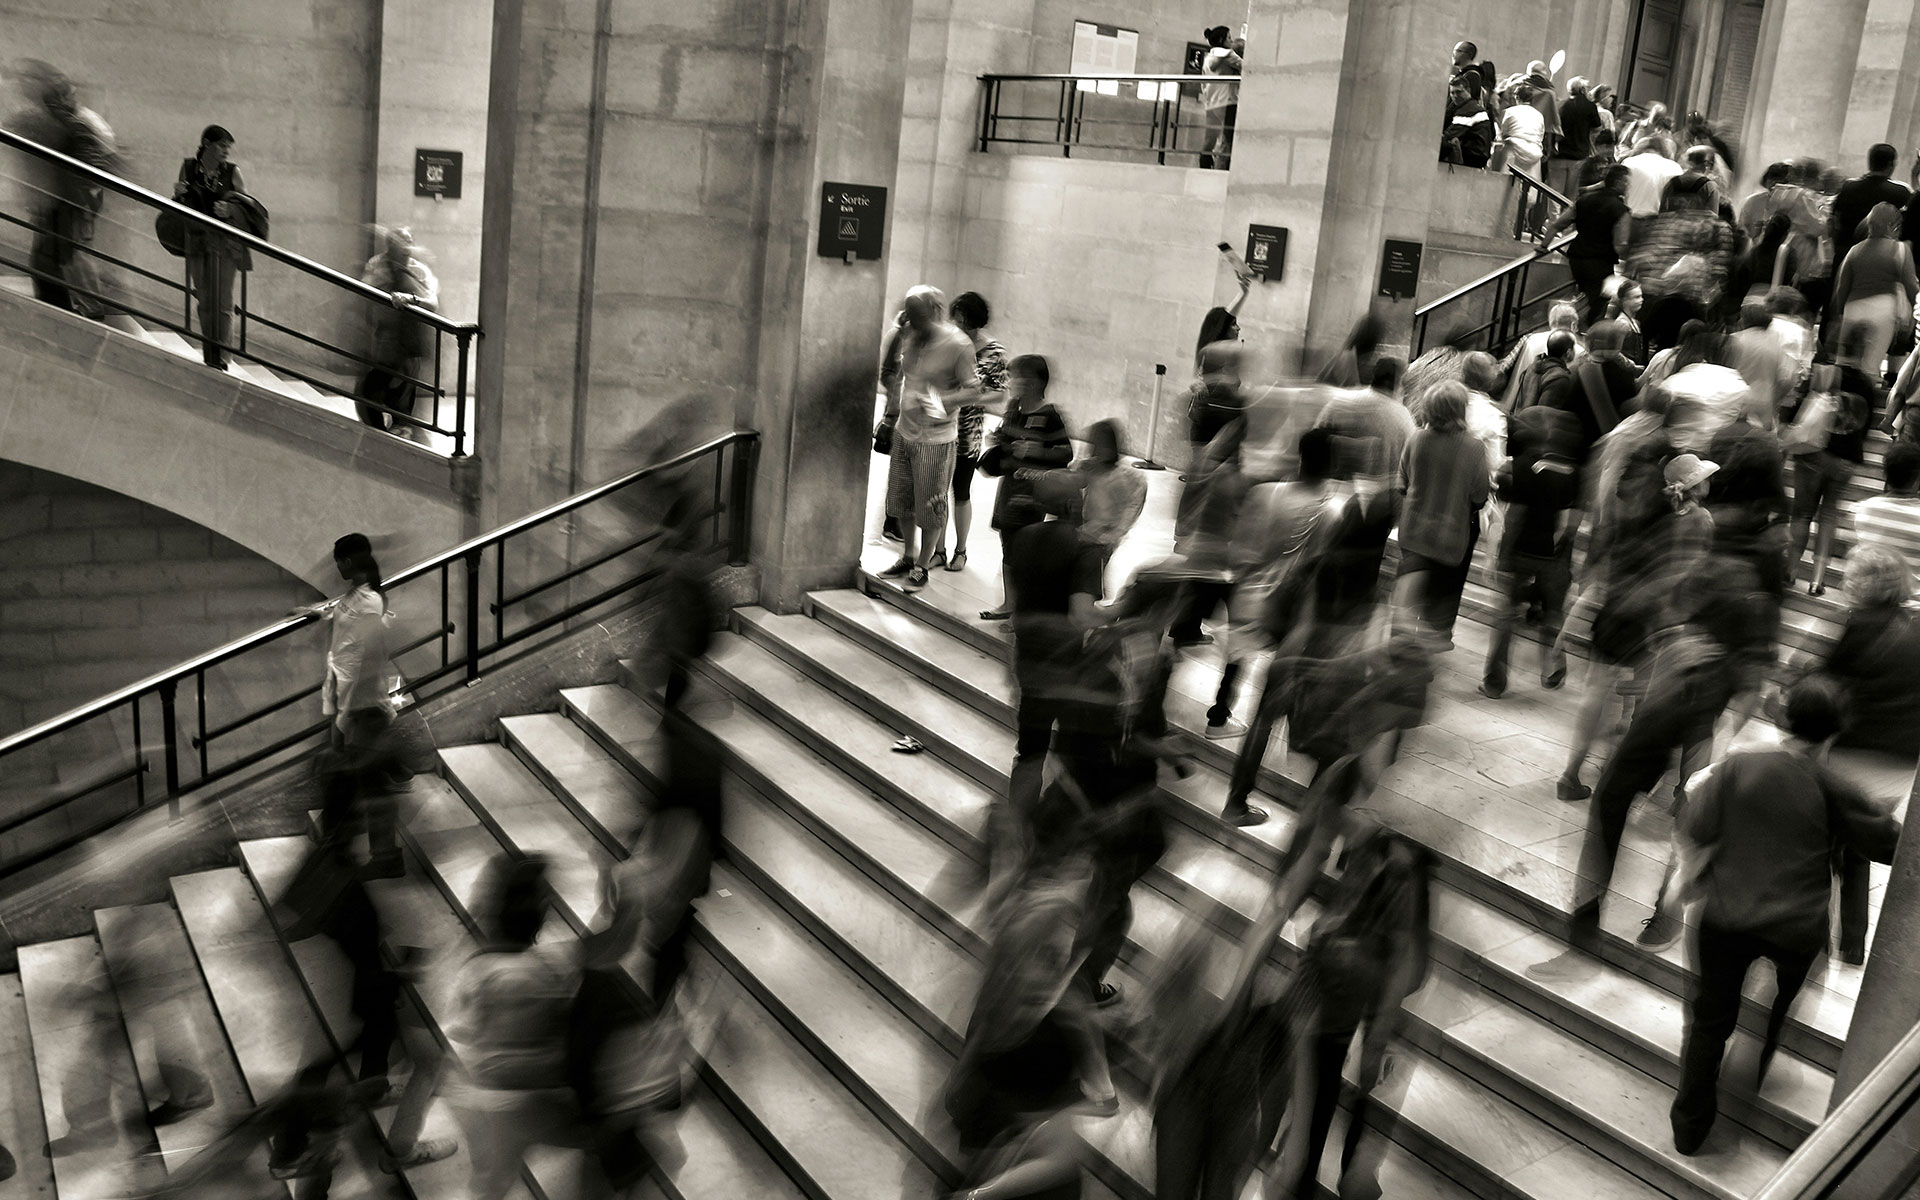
x=1659 y=55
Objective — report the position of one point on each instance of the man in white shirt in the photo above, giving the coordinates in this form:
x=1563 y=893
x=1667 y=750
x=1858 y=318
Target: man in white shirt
x=1651 y=172
x=1892 y=520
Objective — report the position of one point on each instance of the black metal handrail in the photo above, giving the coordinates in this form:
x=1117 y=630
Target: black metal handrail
x=462 y=332
x=1847 y=1140
x=1069 y=122
x=1523 y=227
x=1506 y=292
x=465 y=652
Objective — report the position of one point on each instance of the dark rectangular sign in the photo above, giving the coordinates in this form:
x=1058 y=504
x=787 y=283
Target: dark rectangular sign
x=853 y=219
x=1400 y=269
x=437 y=173
x=1266 y=251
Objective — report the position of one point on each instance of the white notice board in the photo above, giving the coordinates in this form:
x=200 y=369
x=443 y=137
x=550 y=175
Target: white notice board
x=1103 y=50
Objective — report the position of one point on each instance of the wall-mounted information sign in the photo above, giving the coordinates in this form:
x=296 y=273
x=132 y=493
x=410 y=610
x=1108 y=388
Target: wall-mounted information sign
x=853 y=220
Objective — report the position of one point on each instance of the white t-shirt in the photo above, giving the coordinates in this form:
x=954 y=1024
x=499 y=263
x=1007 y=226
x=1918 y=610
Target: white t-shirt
x=1892 y=522
x=1524 y=131
x=1218 y=62
x=1648 y=181
x=1706 y=399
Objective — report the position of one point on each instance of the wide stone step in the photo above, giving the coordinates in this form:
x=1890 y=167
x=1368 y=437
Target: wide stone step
x=167 y=1008
x=1457 y=788
x=23 y=1128
x=89 y=1090
x=269 y=1017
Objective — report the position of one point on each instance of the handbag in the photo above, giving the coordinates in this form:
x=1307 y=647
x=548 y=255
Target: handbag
x=883 y=437
x=171 y=230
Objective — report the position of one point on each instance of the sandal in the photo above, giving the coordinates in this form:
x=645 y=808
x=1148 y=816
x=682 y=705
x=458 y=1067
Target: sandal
x=939 y=559
x=958 y=562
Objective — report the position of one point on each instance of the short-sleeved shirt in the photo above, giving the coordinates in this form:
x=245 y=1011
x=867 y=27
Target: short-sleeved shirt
x=933 y=366
x=1891 y=522
x=1595 y=214
x=1219 y=61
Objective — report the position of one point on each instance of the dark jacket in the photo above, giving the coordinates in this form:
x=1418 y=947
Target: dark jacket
x=1853 y=202
x=1552 y=383
x=1468 y=132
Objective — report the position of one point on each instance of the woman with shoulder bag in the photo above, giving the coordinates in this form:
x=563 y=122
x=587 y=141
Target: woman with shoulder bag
x=210 y=183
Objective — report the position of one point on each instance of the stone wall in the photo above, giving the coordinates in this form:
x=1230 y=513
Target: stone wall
x=295 y=81
x=1104 y=268
x=98 y=590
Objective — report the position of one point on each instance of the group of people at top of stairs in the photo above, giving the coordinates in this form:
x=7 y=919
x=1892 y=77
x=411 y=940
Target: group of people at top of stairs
x=67 y=272
x=1675 y=473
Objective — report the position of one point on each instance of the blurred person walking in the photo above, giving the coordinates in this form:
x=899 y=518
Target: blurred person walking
x=1874 y=293
x=1115 y=496
x=67 y=208
x=210 y=182
x=937 y=379
x=1754 y=211
x=970 y=314
x=1561 y=318
x=1859 y=196
x=1892 y=519
x=400 y=341
x=1445 y=480
x=1541 y=487
x=1030 y=441
x=1603 y=232
x=1828 y=442
x=1649 y=169
x=1763 y=823
x=1524 y=133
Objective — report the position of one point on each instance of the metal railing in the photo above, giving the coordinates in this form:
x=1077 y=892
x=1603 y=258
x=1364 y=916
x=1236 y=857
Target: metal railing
x=440 y=377
x=1512 y=309
x=482 y=598
x=1144 y=114
x=1850 y=1156
x=1537 y=204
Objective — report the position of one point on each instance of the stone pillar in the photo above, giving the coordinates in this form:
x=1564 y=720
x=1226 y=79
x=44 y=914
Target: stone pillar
x=1381 y=179
x=1883 y=77
x=1282 y=152
x=433 y=95
x=821 y=320
x=1810 y=62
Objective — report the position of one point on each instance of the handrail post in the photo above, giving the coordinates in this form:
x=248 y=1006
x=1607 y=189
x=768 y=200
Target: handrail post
x=243 y=311
x=172 y=748
x=986 y=112
x=473 y=609
x=740 y=503
x=464 y=338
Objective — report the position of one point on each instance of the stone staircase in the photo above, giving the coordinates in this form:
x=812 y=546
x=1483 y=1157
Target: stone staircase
x=836 y=959
x=255 y=373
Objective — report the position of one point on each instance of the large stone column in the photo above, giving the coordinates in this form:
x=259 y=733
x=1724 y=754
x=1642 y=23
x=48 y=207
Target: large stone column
x=1381 y=179
x=1810 y=49
x=1282 y=153
x=821 y=318
x=1880 y=104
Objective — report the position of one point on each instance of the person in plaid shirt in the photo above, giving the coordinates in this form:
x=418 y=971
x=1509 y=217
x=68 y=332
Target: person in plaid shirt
x=969 y=313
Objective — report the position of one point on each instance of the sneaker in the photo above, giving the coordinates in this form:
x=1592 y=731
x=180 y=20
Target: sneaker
x=1244 y=816
x=916 y=579
x=1569 y=967
x=898 y=569
x=1493 y=691
x=1228 y=728
x=1659 y=931
x=1570 y=789
x=425 y=1150
x=890 y=530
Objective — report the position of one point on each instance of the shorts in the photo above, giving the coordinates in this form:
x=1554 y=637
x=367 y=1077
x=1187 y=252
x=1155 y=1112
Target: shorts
x=963 y=469
x=919 y=475
x=1817 y=481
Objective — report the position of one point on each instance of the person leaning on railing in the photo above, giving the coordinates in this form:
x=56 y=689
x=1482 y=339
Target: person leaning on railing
x=1467 y=138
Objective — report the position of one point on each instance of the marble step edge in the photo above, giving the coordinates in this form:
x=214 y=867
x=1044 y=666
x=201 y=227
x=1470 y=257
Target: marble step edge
x=352 y=1162
x=1458 y=1162
x=735 y=1098
x=1656 y=1164
x=512 y=736
x=1819 y=1046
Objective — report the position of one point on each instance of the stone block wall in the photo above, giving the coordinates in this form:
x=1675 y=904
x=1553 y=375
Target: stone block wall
x=1104 y=268
x=294 y=80
x=98 y=590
